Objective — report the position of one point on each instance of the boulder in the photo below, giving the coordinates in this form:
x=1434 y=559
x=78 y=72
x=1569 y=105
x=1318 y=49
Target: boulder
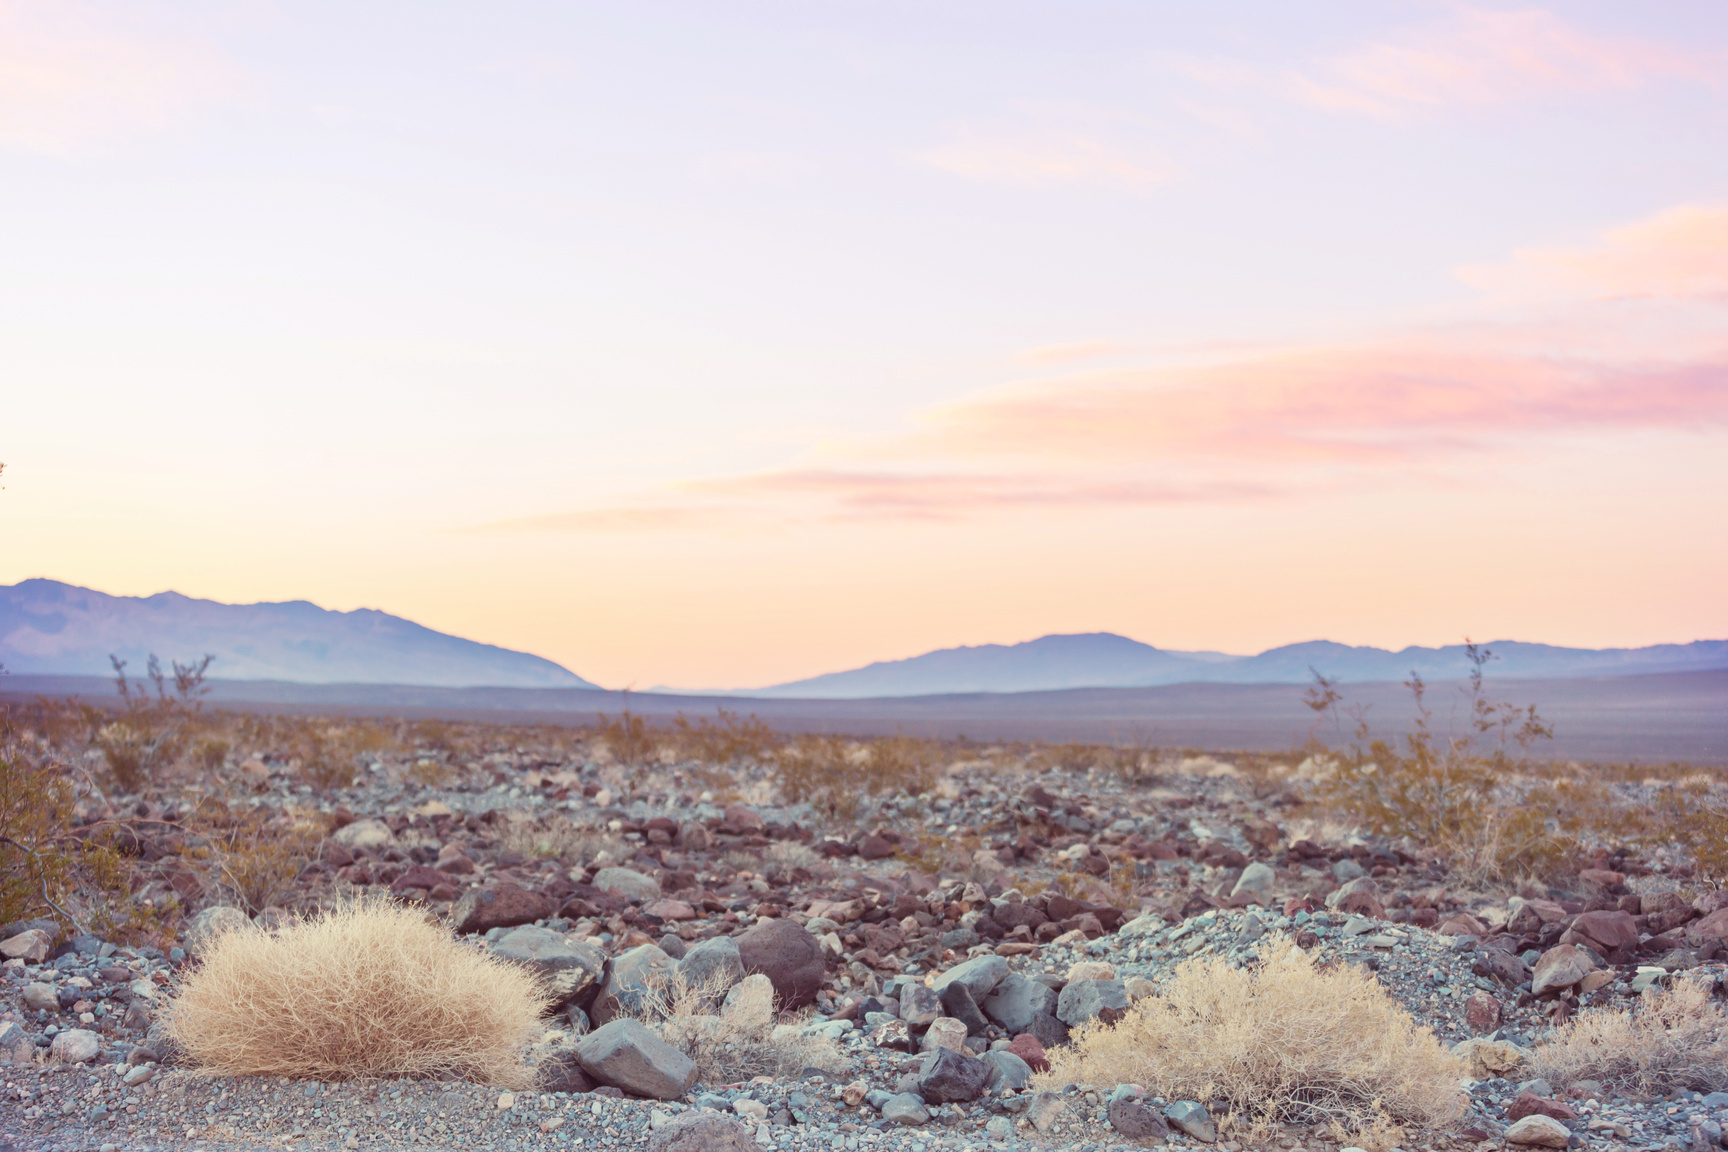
x=31 y=946
x=570 y=966
x=628 y=1055
x=1714 y=924
x=562 y=1072
x=202 y=930
x=1560 y=967
x=1011 y=1071
x=1017 y=1000
x=1613 y=934
x=1083 y=1000
x=1256 y=884
x=1048 y=1030
x=905 y=1109
x=1135 y=1121
x=74 y=1046
x=1192 y=1117
x=713 y=963
x=16 y=1044
x=498 y=906
x=1539 y=1130
x=947 y=1076
x=980 y=974
x=701 y=1131
x=630 y=983
x=627 y=883
x=790 y=957
x=958 y=1003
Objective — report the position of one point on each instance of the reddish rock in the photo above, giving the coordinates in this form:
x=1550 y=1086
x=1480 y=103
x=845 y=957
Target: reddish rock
x=744 y=820
x=1530 y=1104
x=1601 y=880
x=671 y=910
x=418 y=876
x=1482 y=1013
x=1713 y=925
x=1461 y=924
x=789 y=956
x=499 y=906
x=456 y=864
x=1026 y=1047
x=874 y=847
x=1715 y=900
x=1606 y=932
x=334 y=854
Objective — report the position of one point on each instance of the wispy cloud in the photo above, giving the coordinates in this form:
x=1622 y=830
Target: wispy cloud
x=1677 y=254
x=1257 y=424
x=1473 y=57
x=71 y=74
x=1047 y=146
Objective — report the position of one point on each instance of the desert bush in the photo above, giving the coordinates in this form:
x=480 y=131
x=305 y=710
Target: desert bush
x=724 y=740
x=792 y=854
x=627 y=736
x=150 y=730
x=558 y=838
x=370 y=989
x=252 y=854
x=1675 y=1039
x=1452 y=793
x=840 y=776
x=737 y=1041
x=1280 y=1042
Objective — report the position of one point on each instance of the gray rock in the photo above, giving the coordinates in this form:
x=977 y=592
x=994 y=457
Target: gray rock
x=1347 y=870
x=1539 y=1130
x=999 y=1128
x=1084 y=1000
x=1716 y=1100
x=1017 y=1000
x=1048 y=1030
x=715 y=960
x=958 y=1003
x=569 y=966
x=74 y=1046
x=562 y=1072
x=1192 y=1118
x=628 y=883
x=1011 y=1071
x=631 y=980
x=1136 y=1121
x=948 y=1076
x=919 y=1006
x=701 y=1131
x=980 y=974
x=38 y=996
x=1045 y=1109
x=626 y=1054
x=905 y=1109
x=203 y=929
x=1256 y=883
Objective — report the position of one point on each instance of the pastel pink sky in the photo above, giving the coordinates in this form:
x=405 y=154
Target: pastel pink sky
x=723 y=351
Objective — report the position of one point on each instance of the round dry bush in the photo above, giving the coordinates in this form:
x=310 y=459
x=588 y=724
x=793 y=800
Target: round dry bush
x=369 y=989
x=1276 y=1042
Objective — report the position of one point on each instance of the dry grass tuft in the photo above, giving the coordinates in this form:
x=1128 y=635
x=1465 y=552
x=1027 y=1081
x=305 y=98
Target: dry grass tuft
x=1675 y=1039
x=1283 y=1042
x=734 y=1037
x=559 y=838
x=370 y=989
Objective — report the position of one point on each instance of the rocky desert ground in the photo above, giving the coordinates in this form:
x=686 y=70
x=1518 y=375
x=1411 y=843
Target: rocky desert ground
x=858 y=945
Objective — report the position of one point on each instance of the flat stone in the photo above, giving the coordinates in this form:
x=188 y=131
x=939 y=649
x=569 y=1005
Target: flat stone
x=31 y=946
x=498 y=906
x=628 y=883
x=980 y=974
x=1192 y=1117
x=74 y=1046
x=570 y=966
x=1538 y=1130
x=1045 y=1109
x=1136 y=1121
x=370 y=834
x=16 y=1044
x=905 y=1109
x=628 y=1055
x=1084 y=1000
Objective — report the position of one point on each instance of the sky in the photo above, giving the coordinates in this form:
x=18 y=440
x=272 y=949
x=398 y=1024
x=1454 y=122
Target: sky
x=719 y=345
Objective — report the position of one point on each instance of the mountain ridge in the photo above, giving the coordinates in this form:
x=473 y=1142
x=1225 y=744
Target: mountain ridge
x=50 y=627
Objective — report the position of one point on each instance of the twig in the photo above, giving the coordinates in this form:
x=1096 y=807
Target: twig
x=42 y=878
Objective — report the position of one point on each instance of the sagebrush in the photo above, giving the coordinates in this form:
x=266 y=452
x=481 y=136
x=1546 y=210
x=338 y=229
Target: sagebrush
x=370 y=989
x=1279 y=1042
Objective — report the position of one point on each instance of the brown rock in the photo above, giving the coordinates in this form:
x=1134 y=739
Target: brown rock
x=1560 y=967
x=874 y=847
x=419 y=876
x=744 y=820
x=1601 y=880
x=1482 y=1013
x=1026 y=1047
x=1530 y=1104
x=1715 y=900
x=1610 y=933
x=671 y=910
x=1714 y=924
x=1460 y=924
x=499 y=906
x=789 y=956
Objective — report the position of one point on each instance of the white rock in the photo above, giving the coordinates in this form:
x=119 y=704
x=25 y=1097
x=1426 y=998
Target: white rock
x=944 y=1032
x=1540 y=1130
x=364 y=834
x=74 y=1046
x=627 y=883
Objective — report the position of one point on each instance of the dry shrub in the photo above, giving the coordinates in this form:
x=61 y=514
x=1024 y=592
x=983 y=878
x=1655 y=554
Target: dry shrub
x=558 y=838
x=839 y=776
x=628 y=737
x=792 y=854
x=370 y=989
x=1677 y=1038
x=254 y=854
x=737 y=1041
x=726 y=739
x=1283 y=1042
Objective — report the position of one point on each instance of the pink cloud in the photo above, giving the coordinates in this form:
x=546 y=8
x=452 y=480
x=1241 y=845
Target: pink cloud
x=1252 y=423
x=1047 y=146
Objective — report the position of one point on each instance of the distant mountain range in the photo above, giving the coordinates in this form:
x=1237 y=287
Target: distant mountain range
x=1105 y=660
x=47 y=627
